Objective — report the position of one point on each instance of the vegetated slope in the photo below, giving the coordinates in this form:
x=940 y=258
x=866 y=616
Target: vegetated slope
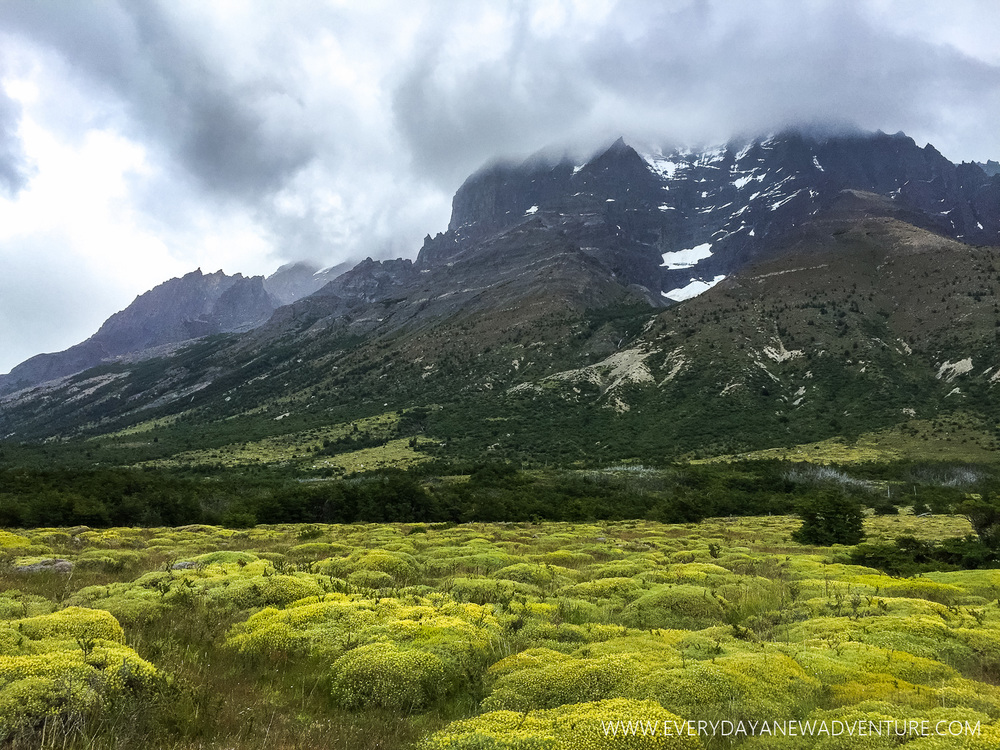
x=530 y=333
x=381 y=333
x=863 y=322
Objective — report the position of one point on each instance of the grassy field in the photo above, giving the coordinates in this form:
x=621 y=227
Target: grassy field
x=497 y=636
x=955 y=437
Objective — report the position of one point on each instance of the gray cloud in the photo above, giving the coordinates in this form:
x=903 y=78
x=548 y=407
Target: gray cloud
x=212 y=126
x=14 y=168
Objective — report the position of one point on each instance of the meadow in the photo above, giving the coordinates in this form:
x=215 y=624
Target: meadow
x=473 y=636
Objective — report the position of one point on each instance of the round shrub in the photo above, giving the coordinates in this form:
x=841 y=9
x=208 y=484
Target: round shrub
x=681 y=607
x=564 y=681
x=530 y=573
x=603 y=589
x=398 y=565
x=752 y=686
x=72 y=623
x=383 y=675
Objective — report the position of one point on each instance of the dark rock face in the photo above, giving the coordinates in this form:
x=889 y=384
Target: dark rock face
x=370 y=280
x=720 y=209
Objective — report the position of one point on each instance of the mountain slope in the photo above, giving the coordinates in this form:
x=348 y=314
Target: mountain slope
x=179 y=310
x=535 y=328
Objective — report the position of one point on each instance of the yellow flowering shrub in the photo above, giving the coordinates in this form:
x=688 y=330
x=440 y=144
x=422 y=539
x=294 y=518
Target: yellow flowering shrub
x=839 y=663
x=383 y=675
x=532 y=658
x=970 y=694
x=109 y=559
x=251 y=591
x=564 y=558
x=911 y=588
x=580 y=726
x=63 y=663
x=881 y=687
x=127 y=602
x=460 y=637
x=618 y=589
x=488 y=590
x=224 y=557
x=625 y=568
x=449 y=561
x=669 y=606
x=15 y=544
x=400 y=566
x=70 y=623
x=371 y=579
x=317 y=550
x=983 y=583
x=562 y=682
x=534 y=574
x=661 y=649
x=761 y=685
x=15 y=604
x=701 y=573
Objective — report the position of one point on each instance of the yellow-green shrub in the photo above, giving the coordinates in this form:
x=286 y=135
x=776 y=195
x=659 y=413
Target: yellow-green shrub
x=70 y=623
x=64 y=663
x=383 y=675
x=681 y=606
x=399 y=565
x=614 y=589
x=580 y=726
x=762 y=685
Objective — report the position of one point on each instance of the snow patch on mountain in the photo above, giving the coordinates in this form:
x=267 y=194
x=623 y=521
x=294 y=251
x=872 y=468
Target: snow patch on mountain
x=687 y=258
x=693 y=289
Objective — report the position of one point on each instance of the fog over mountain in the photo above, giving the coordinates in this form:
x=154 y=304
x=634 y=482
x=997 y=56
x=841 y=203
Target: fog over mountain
x=141 y=140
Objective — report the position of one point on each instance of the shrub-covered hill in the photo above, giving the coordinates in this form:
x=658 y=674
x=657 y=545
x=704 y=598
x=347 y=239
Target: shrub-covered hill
x=496 y=636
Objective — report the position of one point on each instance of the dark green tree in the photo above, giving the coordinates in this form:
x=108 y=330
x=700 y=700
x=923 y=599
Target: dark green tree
x=830 y=517
x=983 y=512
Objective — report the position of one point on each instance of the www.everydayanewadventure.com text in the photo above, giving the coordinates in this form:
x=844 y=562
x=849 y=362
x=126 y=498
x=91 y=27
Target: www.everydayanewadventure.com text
x=817 y=728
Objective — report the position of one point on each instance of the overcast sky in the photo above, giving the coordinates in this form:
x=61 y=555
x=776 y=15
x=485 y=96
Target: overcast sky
x=140 y=140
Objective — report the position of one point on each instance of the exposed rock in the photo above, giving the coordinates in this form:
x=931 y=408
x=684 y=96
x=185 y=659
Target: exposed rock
x=55 y=565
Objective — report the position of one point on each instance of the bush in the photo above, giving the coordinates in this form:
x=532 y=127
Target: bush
x=383 y=675
x=830 y=517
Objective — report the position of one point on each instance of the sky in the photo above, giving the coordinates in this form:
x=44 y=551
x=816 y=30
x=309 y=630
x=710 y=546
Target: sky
x=141 y=139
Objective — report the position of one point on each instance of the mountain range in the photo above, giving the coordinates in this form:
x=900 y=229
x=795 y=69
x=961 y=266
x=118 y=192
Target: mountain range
x=641 y=303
